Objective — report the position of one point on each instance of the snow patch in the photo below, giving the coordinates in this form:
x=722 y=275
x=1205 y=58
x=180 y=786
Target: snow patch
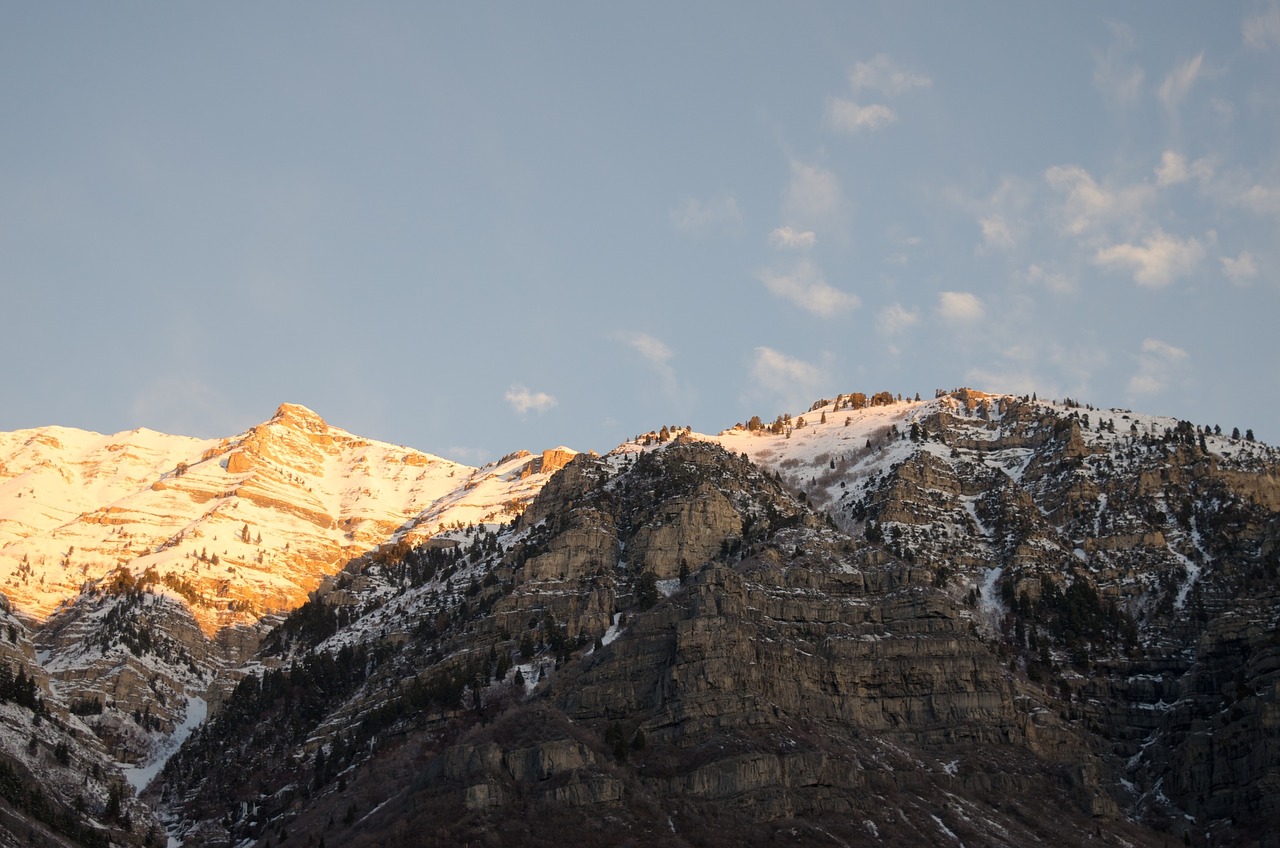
x=142 y=774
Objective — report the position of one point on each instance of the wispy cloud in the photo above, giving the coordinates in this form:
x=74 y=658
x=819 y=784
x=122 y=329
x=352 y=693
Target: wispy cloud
x=524 y=401
x=1119 y=80
x=896 y=318
x=960 y=307
x=794 y=381
x=804 y=285
x=789 y=238
x=1174 y=169
x=996 y=233
x=845 y=116
x=658 y=355
x=1160 y=365
x=1265 y=200
x=1178 y=83
x=813 y=199
x=1262 y=30
x=652 y=349
x=1089 y=204
x=1053 y=281
x=718 y=213
x=884 y=75
x=1158 y=261
x=1239 y=269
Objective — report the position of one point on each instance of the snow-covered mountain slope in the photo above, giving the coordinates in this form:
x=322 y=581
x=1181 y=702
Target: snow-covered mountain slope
x=238 y=527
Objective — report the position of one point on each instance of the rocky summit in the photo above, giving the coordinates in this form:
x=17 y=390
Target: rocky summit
x=975 y=619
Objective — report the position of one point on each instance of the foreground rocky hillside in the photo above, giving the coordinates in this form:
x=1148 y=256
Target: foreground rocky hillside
x=976 y=619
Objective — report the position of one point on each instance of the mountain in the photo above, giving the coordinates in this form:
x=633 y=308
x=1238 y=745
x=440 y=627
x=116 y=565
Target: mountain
x=141 y=569
x=977 y=618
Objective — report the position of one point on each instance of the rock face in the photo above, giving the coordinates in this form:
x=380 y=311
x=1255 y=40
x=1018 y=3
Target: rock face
x=797 y=684
x=979 y=619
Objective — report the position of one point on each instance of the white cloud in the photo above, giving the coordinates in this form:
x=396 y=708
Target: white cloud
x=805 y=286
x=996 y=233
x=1157 y=262
x=695 y=216
x=1119 y=81
x=884 y=75
x=1089 y=204
x=523 y=401
x=896 y=318
x=845 y=116
x=652 y=349
x=659 y=356
x=1265 y=200
x=1262 y=30
x=960 y=307
x=1055 y=282
x=1159 y=365
x=793 y=380
x=1172 y=169
x=1239 y=269
x=813 y=198
x=1179 y=81
x=789 y=238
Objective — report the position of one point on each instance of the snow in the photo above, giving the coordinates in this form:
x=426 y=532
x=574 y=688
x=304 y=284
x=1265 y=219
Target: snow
x=668 y=587
x=942 y=827
x=142 y=774
x=614 y=630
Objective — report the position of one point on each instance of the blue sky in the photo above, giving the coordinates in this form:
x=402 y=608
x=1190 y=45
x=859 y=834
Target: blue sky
x=470 y=228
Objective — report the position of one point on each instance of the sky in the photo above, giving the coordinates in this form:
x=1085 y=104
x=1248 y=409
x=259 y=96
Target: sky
x=472 y=228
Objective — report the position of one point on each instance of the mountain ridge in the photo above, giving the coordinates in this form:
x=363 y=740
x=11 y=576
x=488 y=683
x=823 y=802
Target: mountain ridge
x=1109 y=566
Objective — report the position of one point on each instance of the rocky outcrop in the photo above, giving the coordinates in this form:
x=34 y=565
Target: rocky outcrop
x=686 y=532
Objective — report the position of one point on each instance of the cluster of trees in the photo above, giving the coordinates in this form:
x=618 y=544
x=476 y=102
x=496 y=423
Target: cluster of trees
x=1076 y=618
x=20 y=689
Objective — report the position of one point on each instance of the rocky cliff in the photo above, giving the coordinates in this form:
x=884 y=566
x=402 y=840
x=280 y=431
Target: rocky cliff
x=978 y=619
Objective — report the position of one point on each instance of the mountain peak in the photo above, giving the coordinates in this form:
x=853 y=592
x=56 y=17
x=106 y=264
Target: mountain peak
x=298 y=416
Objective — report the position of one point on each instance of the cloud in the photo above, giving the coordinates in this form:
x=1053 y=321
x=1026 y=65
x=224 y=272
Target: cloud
x=652 y=349
x=1179 y=81
x=813 y=198
x=960 y=307
x=524 y=401
x=697 y=217
x=996 y=233
x=1239 y=269
x=1172 y=169
x=1119 y=81
x=884 y=75
x=1052 y=281
x=1262 y=30
x=1089 y=204
x=1265 y=200
x=1157 y=262
x=789 y=238
x=805 y=286
x=793 y=380
x=896 y=318
x=845 y=116
x=1159 y=365
x=659 y=356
